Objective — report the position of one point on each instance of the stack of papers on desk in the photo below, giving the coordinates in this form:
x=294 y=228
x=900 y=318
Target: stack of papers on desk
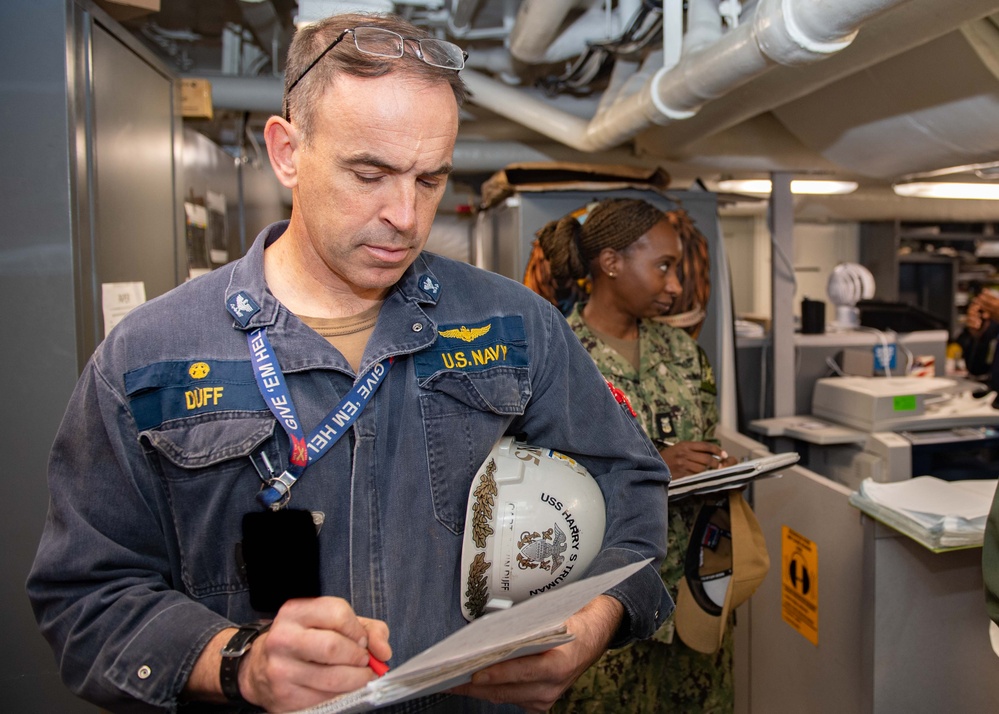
x=938 y=514
x=529 y=627
x=729 y=477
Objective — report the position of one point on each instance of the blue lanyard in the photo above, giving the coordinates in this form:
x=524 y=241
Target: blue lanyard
x=270 y=381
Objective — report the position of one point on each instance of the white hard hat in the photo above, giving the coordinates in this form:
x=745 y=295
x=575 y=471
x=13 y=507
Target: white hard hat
x=535 y=520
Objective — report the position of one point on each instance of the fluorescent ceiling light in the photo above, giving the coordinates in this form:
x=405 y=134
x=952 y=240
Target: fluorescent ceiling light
x=934 y=189
x=825 y=188
x=802 y=186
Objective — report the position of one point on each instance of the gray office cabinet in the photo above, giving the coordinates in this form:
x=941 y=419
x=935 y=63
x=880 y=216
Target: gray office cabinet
x=88 y=197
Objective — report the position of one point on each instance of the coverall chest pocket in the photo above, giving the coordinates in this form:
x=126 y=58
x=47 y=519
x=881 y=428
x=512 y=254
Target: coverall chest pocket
x=210 y=482
x=464 y=414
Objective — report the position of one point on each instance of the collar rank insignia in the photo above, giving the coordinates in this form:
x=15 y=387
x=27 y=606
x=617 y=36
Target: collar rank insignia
x=430 y=286
x=242 y=307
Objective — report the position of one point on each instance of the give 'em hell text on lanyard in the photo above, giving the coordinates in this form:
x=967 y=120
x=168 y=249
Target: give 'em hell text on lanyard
x=304 y=451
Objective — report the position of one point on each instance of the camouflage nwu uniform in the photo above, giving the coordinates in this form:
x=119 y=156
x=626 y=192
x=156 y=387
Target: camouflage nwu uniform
x=674 y=397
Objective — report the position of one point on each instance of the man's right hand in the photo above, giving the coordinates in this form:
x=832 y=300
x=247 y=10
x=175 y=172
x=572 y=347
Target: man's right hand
x=315 y=649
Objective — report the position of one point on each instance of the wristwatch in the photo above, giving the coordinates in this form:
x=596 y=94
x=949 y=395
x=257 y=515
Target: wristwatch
x=232 y=654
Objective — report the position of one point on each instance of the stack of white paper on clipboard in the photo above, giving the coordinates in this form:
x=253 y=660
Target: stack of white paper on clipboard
x=938 y=514
x=729 y=477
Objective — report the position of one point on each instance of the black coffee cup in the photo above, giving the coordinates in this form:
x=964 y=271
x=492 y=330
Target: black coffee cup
x=813 y=317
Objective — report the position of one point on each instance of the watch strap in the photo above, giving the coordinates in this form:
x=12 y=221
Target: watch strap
x=233 y=653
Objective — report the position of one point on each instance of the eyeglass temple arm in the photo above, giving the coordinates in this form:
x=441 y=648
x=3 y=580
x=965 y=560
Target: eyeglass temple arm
x=316 y=61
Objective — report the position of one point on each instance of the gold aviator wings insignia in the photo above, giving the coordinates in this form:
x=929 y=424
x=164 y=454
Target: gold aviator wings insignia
x=463 y=333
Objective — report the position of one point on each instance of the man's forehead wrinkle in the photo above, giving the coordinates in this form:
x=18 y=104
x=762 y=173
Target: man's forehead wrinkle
x=373 y=160
x=365 y=158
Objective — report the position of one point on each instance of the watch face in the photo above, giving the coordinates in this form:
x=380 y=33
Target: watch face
x=280 y=551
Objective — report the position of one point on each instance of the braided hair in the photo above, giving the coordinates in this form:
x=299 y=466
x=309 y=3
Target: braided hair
x=694 y=273
x=565 y=249
x=571 y=246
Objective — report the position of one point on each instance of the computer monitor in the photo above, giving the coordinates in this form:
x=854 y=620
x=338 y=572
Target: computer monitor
x=897 y=316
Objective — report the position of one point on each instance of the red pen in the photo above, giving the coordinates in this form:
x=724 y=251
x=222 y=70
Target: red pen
x=377 y=666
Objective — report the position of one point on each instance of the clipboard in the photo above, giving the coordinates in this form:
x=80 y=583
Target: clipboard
x=529 y=627
x=730 y=477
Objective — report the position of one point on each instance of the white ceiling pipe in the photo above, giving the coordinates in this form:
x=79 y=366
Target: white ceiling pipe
x=594 y=24
x=264 y=93
x=781 y=32
x=630 y=80
x=623 y=74
x=619 y=123
x=704 y=24
x=489 y=156
x=244 y=93
x=882 y=38
x=463 y=11
x=537 y=24
x=525 y=109
x=493 y=59
x=672 y=32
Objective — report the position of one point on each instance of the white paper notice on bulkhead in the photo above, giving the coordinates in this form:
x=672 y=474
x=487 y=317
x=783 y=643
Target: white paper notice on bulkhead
x=118 y=299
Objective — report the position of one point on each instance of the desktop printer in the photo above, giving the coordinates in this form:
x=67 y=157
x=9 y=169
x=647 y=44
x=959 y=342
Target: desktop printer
x=896 y=403
x=894 y=428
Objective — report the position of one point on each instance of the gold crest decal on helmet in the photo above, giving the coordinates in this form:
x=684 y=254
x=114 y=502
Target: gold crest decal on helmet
x=477 y=584
x=482 y=508
x=466 y=335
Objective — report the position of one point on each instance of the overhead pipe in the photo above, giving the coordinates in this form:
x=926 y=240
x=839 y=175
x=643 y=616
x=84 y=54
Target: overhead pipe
x=887 y=37
x=479 y=156
x=536 y=37
x=883 y=38
x=628 y=77
x=245 y=93
x=265 y=24
x=490 y=156
x=704 y=25
x=780 y=33
x=462 y=14
x=459 y=22
x=592 y=24
x=264 y=93
x=538 y=23
x=625 y=74
x=672 y=32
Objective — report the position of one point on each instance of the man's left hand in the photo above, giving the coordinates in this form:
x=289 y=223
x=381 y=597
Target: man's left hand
x=535 y=682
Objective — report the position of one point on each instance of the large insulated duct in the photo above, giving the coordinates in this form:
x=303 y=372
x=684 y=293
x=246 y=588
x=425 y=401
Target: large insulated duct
x=789 y=33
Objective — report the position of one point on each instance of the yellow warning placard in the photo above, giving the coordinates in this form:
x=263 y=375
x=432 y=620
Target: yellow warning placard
x=799 y=600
